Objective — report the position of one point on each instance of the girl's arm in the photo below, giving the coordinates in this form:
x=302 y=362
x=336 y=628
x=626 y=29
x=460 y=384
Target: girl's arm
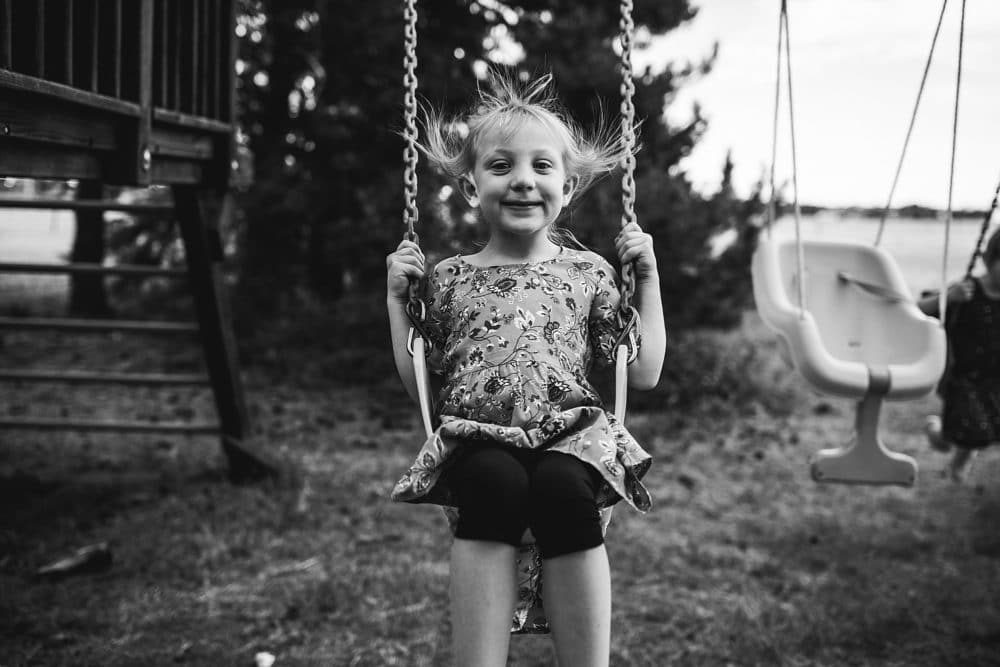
x=635 y=246
x=644 y=372
x=399 y=327
x=957 y=293
x=405 y=264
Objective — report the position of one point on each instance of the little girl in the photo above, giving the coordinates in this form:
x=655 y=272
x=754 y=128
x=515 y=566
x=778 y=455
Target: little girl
x=970 y=392
x=524 y=441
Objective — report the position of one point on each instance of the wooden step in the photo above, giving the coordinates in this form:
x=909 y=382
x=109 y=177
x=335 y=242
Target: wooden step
x=108 y=426
x=68 y=324
x=85 y=205
x=92 y=269
x=89 y=377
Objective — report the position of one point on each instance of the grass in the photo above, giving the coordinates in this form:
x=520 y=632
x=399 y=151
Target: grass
x=742 y=561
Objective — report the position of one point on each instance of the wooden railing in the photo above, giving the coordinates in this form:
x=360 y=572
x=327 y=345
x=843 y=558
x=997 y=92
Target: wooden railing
x=122 y=91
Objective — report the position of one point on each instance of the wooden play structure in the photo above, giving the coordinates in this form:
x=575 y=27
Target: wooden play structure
x=130 y=93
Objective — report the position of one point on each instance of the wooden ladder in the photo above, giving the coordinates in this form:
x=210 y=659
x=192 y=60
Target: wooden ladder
x=199 y=229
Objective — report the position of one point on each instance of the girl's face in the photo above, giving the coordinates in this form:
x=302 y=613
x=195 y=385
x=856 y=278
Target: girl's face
x=520 y=181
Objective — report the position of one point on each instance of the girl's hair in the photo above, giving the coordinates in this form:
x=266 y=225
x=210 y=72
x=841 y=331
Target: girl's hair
x=503 y=106
x=991 y=251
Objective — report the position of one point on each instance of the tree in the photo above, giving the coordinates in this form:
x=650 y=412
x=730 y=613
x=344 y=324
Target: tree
x=321 y=92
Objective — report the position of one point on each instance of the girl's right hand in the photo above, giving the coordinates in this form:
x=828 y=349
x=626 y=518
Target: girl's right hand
x=961 y=291
x=406 y=264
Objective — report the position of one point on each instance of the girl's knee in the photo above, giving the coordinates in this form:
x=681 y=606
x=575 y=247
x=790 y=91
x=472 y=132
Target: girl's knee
x=491 y=491
x=563 y=512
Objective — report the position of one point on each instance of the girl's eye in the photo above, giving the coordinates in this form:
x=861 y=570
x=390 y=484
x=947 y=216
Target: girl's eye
x=499 y=165
x=543 y=165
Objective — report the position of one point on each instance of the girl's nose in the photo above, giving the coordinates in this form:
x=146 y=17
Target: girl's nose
x=522 y=179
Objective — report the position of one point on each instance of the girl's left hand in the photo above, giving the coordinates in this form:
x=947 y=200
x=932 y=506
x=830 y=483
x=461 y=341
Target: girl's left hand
x=634 y=245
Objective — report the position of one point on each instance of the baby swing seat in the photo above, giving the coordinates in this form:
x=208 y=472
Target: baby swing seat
x=860 y=335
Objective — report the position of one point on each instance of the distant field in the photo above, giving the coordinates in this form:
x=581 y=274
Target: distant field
x=28 y=235
x=43 y=236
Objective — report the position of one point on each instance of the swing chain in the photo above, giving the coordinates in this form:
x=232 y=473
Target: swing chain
x=627 y=28
x=628 y=317
x=977 y=253
x=415 y=309
x=410 y=214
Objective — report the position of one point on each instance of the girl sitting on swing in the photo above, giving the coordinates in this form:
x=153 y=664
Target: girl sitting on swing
x=523 y=439
x=970 y=390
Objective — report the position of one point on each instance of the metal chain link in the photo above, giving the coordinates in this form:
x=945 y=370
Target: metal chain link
x=627 y=29
x=628 y=316
x=410 y=214
x=982 y=233
x=416 y=310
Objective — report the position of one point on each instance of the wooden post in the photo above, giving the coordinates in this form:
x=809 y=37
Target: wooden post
x=143 y=155
x=204 y=252
x=87 y=295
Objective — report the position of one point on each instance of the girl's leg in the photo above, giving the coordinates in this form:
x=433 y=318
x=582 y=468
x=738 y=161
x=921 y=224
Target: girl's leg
x=483 y=595
x=577 y=596
x=961 y=461
x=575 y=572
x=491 y=490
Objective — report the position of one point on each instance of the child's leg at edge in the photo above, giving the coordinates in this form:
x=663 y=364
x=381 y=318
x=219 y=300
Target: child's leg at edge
x=491 y=489
x=483 y=595
x=577 y=593
x=961 y=463
x=576 y=576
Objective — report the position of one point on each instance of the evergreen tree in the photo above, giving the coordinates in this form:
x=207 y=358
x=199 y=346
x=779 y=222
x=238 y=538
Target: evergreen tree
x=322 y=93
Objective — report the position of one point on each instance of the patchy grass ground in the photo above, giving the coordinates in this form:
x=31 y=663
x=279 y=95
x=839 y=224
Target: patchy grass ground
x=743 y=560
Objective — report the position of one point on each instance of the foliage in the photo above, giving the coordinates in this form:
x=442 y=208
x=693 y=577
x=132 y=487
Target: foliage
x=321 y=91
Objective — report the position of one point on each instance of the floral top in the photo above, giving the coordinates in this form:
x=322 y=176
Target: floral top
x=515 y=344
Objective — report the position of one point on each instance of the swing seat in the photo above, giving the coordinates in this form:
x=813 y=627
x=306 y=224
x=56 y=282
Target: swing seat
x=860 y=336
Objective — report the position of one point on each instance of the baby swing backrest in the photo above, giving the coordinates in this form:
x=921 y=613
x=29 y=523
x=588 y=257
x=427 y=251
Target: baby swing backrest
x=854 y=323
x=850 y=327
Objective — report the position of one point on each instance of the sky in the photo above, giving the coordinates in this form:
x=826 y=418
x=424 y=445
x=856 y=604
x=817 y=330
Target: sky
x=856 y=69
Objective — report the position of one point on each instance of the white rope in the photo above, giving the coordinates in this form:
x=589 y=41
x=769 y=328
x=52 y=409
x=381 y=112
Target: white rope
x=909 y=131
x=774 y=129
x=799 y=249
x=943 y=294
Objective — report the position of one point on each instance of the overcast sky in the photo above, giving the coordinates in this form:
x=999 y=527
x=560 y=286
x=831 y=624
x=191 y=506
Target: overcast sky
x=856 y=67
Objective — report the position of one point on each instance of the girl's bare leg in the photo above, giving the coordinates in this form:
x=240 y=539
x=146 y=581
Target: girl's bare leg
x=483 y=595
x=577 y=596
x=961 y=461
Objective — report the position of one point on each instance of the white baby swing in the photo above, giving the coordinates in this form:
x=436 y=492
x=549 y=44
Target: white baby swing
x=848 y=319
x=419 y=345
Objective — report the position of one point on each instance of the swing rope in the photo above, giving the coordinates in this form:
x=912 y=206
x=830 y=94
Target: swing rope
x=771 y=214
x=943 y=294
x=783 y=34
x=783 y=31
x=909 y=130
